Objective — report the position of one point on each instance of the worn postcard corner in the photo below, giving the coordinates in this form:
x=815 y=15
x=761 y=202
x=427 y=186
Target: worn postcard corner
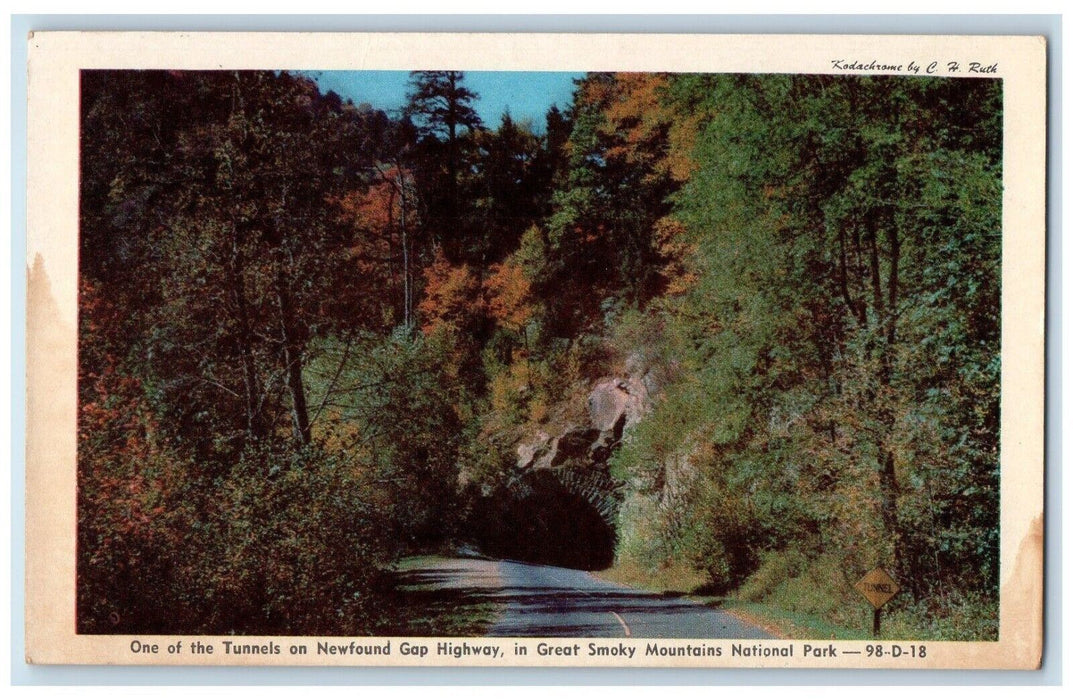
x=535 y=350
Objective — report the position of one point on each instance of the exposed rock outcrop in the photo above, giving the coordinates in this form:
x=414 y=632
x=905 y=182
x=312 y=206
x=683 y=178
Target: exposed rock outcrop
x=614 y=405
x=529 y=452
x=575 y=453
x=545 y=452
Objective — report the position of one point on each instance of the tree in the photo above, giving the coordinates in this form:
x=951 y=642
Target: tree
x=509 y=190
x=452 y=298
x=240 y=235
x=840 y=228
x=441 y=105
x=612 y=198
x=384 y=217
x=397 y=410
x=509 y=296
x=441 y=108
x=218 y=254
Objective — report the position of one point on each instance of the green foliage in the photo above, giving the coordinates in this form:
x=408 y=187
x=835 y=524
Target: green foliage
x=210 y=219
x=813 y=586
x=802 y=271
x=393 y=405
x=773 y=570
x=282 y=542
x=509 y=190
x=808 y=592
x=241 y=555
x=301 y=550
x=959 y=616
x=600 y=244
x=164 y=551
x=845 y=309
x=217 y=491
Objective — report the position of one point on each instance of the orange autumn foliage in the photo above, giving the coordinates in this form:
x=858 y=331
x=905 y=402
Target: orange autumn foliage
x=679 y=266
x=638 y=119
x=452 y=296
x=508 y=295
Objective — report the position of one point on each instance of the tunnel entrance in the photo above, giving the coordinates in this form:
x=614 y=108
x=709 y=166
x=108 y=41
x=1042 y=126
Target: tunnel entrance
x=542 y=520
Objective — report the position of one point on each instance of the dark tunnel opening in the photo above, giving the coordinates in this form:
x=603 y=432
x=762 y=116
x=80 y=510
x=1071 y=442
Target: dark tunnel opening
x=543 y=522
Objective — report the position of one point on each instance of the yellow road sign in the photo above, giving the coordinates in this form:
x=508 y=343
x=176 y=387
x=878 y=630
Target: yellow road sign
x=878 y=587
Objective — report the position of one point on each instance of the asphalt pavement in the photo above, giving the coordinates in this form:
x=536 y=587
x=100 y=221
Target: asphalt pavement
x=549 y=601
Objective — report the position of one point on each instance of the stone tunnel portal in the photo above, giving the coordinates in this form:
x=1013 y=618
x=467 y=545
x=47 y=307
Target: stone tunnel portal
x=546 y=519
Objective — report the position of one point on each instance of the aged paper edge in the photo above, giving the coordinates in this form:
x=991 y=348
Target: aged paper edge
x=55 y=60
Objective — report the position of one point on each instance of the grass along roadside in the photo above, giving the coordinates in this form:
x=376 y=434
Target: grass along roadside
x=690 y=584
x=813 y=603
x=680 y=580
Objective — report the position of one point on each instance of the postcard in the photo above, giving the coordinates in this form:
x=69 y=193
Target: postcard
x=506 y=350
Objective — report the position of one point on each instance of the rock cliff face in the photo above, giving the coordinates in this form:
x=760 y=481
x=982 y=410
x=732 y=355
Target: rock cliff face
x=614 y=405
x=561 y=506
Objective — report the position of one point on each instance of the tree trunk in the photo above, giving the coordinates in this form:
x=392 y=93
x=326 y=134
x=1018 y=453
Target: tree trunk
x=843 y=269
x=292 y=358
x=255 y=425
x=452 y=161
x=407 y=282
x=887 y=315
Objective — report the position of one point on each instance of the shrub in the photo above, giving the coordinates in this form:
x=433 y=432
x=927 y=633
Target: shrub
x=278 y=545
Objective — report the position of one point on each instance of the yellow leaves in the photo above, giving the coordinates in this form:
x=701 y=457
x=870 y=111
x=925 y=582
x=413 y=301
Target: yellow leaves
x=507 y=388
x=456 y=297
x=538 y=409
x=682 y=137
x=644 y=129
x=636 y=119
x=680 y=267
x=532 y=251
x=519 y=393
x=338 y=434
x=637 y=111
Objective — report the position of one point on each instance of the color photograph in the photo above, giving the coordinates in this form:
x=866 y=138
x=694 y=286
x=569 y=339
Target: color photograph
x=522 y=361
x=526 y=354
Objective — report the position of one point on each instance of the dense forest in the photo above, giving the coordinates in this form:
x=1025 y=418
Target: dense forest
x=315 y=337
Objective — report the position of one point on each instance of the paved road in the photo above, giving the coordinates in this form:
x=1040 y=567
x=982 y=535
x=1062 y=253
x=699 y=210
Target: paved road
x=548 y=601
